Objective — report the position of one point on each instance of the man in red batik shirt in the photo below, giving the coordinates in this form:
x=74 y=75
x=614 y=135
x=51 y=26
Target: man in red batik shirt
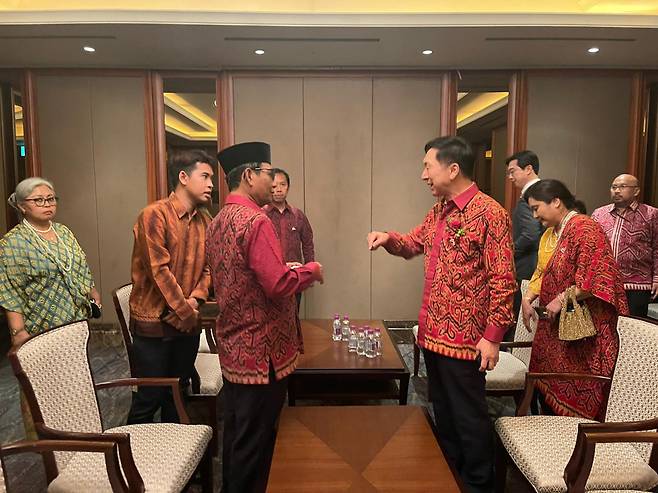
x=291 y=224
x=258 y=332
x=467 y=302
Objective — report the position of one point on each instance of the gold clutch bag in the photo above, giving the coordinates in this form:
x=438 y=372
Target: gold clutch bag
x=575 y=319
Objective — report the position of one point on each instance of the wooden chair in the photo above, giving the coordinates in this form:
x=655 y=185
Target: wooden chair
x=552 y=451
x=108 y=447
x=206 y=387
x=579 y=466
x=208 y=314
x=53 y=371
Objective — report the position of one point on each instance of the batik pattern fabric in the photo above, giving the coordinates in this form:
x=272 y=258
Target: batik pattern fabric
x=168 y=266
x=633 y=236
x=255 y=290
x=583 y=258
x=469 y=273
x=294 y=231
x=47 y=282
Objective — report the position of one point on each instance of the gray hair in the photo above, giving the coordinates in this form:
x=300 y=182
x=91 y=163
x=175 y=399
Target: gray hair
x=24 y=189
x=234 y=177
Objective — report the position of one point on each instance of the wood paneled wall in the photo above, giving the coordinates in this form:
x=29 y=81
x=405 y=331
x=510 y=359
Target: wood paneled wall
x=578 y=124
x=92 y=146
x=354 y=148
x=498 y=166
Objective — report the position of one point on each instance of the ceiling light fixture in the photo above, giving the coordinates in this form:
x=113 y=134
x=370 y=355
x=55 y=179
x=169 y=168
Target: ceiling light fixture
x=593 y=49
x=88 y=49
x=259 y=52
x=427 y=52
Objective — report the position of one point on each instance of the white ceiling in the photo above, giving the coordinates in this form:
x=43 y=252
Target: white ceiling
x=215 y=47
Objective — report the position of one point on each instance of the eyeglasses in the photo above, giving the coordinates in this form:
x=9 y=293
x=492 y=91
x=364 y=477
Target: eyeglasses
x=614 y=188
x=43 y=201
x=269 y=171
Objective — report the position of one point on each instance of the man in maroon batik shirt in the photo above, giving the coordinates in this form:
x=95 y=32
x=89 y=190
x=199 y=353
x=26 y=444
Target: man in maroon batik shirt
x=258 y=332
x=467 y=302
x=291 y=224
x=632 y=228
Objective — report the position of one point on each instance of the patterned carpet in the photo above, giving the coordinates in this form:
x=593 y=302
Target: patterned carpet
x=108 y=361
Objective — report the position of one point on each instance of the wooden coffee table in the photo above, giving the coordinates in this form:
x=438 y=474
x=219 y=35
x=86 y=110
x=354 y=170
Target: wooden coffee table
x=358 y=449
x=328 y=371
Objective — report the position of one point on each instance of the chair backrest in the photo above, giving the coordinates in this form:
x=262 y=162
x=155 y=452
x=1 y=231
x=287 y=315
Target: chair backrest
x=521 y=333
x=634 y=389
x=121 y=297
x=3 y=488
x=53 y=371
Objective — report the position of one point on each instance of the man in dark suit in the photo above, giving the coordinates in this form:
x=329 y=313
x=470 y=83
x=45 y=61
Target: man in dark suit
x=522 y=170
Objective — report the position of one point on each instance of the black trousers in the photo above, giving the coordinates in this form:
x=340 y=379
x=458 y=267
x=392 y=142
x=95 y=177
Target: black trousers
x=161 y=357
x=457 y=393
x=251 y=420
x=638 y=302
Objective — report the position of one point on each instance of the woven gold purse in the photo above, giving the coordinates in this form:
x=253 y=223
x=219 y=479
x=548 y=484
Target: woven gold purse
x=575 y=319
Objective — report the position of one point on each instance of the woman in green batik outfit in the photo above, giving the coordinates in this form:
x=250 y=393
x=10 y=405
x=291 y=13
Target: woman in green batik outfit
x=44 y=277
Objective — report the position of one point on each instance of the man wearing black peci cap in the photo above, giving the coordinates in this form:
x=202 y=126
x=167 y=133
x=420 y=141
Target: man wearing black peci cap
x=258 y=331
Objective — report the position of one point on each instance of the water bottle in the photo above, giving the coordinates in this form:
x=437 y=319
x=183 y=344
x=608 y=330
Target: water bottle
x=377 y=341
x=345 y=333
x=352 y=340
x=337 y=328
x=361 y=342
x=371 y=350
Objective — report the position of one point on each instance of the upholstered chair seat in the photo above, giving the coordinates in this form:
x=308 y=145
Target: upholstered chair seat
x=207 y=365
x=552 y=452
x=53 y=371
x=165 y=454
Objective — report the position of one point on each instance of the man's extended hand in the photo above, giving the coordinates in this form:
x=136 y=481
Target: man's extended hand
x=377 y=239
x=318 y=271
x=654 y=290
x=488 y=352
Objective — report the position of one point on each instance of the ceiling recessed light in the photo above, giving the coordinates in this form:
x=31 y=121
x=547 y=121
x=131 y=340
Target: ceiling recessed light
x=259 y=52
x=88 y=49
x=427 y=52
x=593 y=49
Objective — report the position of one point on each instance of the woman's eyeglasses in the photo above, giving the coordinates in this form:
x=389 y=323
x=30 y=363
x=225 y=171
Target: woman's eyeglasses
x=43 y=201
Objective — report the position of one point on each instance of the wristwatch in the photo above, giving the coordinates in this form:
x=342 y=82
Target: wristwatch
x=15 y=332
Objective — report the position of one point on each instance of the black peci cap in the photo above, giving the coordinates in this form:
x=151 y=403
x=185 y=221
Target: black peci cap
x=247 y=152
